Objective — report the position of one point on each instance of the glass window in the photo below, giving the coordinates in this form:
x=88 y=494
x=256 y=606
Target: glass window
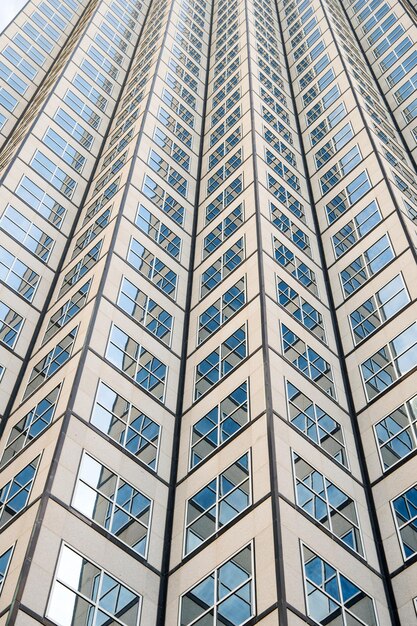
x=36 y=36
x=218 y=503
x=396 y=434
x=380 y=307
x=316 y=424
x=46 y=28
x=91 y=233
x=307 y=361
x=12 y=79
x=64 y=150
x=282 y=170
x=168 y=173
x=82 y=109
x=222 y=231
x=51 y=362
x=73 y=128
x=356 y=228
x=5 y=559
x=391 y=362
x=54 y=174
x=152 y=268
x=158 y=232
x=133 y=359
x=17 y=275
x=15 y=494
x=81 y=588
x=300 y=309
x=347 y=196
x=327 y=504
x=127 y=425
x=175 y=127
x=224 y=172
x=338 y=171
x=290 y=229
x=220 y=362
x=159 y=196
x=175 y=151
x=7 y=100
x=295 y=266
x=19 y=62
x=230 y=193
x=41 y=202
x=405 y=516
x=27 y=233
x=333 y=598
x=113 y=503
x=225 y=596
x=285 y=198
x=222 y=267
x=366 y=265
x=79 y=270
x=31 y=425
x=219 y=424
x=145 y=311
x=90 y=92
x=10 y=325
x=221 y=310
x=67 y=311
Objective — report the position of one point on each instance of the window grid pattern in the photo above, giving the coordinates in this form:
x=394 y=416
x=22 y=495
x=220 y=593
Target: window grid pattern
x=113 y=503
x=217 y=503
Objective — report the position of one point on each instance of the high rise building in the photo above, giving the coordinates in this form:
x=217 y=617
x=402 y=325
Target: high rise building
x=208 y=318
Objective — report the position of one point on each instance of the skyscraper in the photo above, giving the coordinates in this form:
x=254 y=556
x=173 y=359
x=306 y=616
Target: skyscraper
x=208 y=319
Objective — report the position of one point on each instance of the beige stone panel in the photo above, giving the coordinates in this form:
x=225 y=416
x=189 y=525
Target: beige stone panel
x=253 y=440
x=294 y=620
x=23 y=619
x=256 y=525
x=296 y=529
x=60 y=526
x=384 y=492
x=404 y=585
x=16 y=534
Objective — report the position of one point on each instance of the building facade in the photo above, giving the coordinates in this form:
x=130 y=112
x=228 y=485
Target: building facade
x=208 y=318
